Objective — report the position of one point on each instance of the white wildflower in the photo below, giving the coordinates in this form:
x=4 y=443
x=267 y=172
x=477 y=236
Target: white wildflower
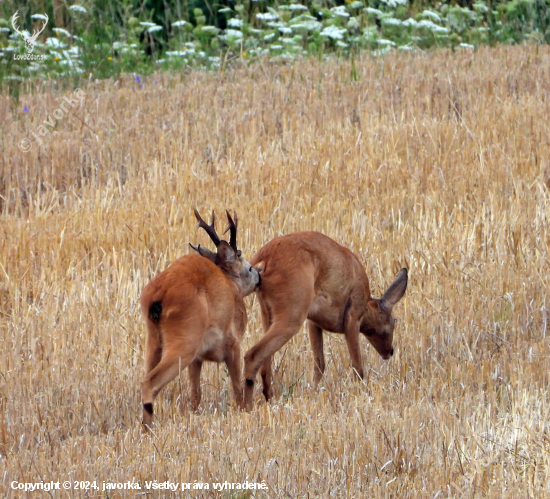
x=147 y=25
x=285 y=31
x=74 y=51
x=267 y=17
x=409 y=22
x=387 y=43
x=269 y=37
x=391 y=21
x=333 y=32
x=305 y=21
x=466 y=46
x=356 y=5
x=78 y=8
x=288 y=41
x=177 y=24
x=235 y=23
x=55 y=43
x=224 y=10
x=340 y=11
x=61 y=31
x=425 y=23
x=5 y=30
x=374 y=12
x=431 y=15
x=276 y=47
x=154 y=29
x=210 y=29
x=312 y=25
x=297 y=6
x=342 y=44
x=39 y=17
x=394 y=3
x=233 y=33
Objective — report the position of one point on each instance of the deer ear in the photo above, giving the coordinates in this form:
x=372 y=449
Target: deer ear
x=373 y=304
x=226 y=253
x=395 y=292
x=204 y=252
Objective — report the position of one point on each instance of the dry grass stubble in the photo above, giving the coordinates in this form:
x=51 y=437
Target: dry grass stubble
x=435 y=161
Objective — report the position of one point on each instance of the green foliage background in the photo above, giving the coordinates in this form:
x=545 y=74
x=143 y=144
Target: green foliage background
x=103 y=38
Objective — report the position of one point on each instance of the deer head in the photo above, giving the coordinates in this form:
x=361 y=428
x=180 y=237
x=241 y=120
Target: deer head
x=228 y=257
x=378 y=322
x=29 y=40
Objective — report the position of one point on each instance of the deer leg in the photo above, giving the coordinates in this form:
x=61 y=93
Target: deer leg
x=233 y=363
x=316 y=340
x=180 y=345
x=277 y=335
x=195 y=383
x=266 y=373
x=352 y=340
x=165 y=371
x=265 y=370
x=153 y=348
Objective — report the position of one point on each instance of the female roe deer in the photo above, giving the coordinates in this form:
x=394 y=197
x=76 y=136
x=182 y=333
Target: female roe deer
x=194 y=312
x=307 y=275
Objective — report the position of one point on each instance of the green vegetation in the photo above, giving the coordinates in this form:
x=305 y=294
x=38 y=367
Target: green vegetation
x=103 y=38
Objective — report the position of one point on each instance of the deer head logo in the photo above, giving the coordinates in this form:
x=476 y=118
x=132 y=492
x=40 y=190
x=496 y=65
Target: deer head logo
x=29 y=40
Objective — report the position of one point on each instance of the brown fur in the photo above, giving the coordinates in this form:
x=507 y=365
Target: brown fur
x=195 y=312
x=308 y=276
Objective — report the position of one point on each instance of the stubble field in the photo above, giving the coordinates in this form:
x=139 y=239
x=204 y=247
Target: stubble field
x=439 y=162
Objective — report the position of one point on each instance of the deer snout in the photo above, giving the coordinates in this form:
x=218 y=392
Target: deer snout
x=388 y=355
x=258 y=277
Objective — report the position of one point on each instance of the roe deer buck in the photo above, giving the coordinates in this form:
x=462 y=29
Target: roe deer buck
x=309 y=276
x=194 y=312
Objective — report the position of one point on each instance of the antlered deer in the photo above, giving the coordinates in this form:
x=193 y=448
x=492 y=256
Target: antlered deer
x=194 y=312
x=309 y=276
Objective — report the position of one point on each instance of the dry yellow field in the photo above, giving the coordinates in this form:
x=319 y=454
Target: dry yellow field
x=437 y=161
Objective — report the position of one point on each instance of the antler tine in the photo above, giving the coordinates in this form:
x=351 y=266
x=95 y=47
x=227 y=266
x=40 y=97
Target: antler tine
x=14 y=17
x=210 y=230
x=232 y=227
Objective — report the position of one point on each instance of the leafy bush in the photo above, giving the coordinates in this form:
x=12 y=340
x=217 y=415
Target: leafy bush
x=102 y=38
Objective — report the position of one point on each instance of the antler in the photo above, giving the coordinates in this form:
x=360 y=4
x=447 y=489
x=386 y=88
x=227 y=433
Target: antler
x=232 y=227
x=15 y=16
x=210 y=230
x=36 y=33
